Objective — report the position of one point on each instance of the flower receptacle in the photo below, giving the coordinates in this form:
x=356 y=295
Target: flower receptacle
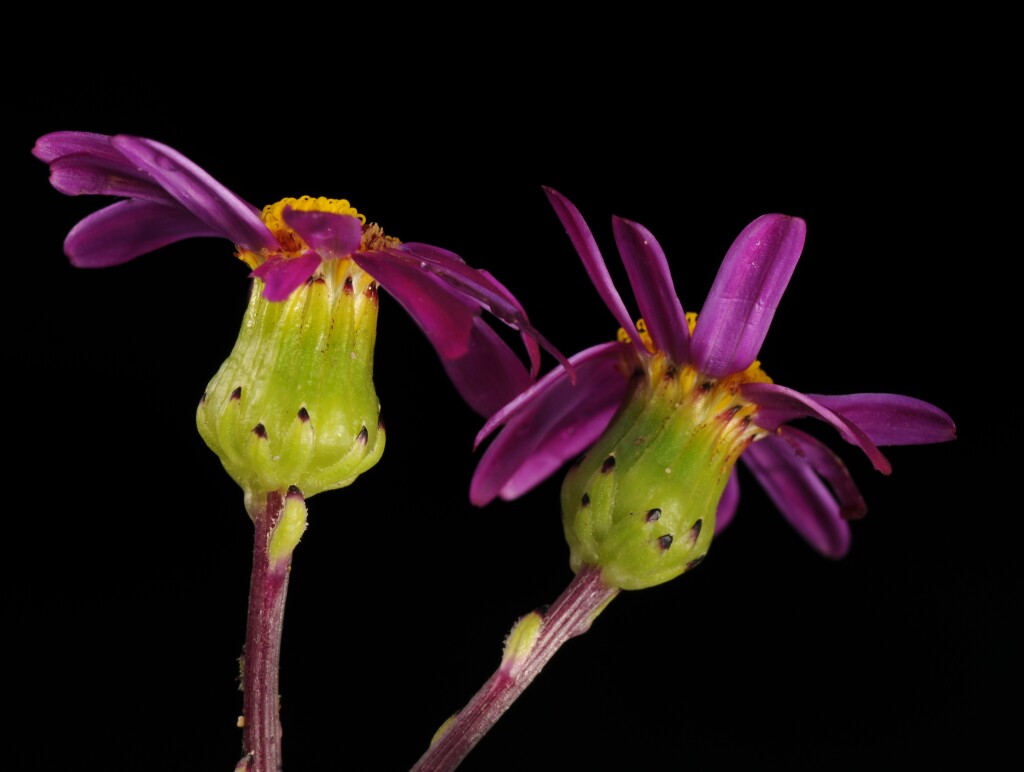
x=294 y=404
x=641 y=504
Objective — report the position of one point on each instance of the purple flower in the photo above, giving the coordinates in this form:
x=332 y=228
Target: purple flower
x=554 y=420
x=167 y=198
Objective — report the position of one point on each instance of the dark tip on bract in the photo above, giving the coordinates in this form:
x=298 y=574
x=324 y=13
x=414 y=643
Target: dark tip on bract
x=260 y=431
x=653 y=514
x=303 y=414
x=585 y=501
x=202 y=399
x=707 y=386
x=608 y=465
x=695 y=530
x=363 y=436
x=670 y=372
x=579 y=460
x=371 y=291
x=347 y=287
x=695 y=562
x=665 y=541
x=237 y=393
x=293 y=491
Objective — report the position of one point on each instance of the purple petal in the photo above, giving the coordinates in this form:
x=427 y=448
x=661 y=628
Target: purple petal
x=332 y=235
x=474 y=285
x=743 y=298
x=57 y=144
x=777 y=405
x=123 y=231
x=483 y=368
x=892 y=419
x=532 y=347
x=442 y=312
x=76 y=175
x=489 y=374
x=652 y=285
x=231 y=216
x=583 y=240
x=829 y=467
x=802 y=498
x=551 y=423
x=282 y=275
x=728 y=504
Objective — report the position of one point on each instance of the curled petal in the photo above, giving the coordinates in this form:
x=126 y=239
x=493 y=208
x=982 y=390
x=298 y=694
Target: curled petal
x=550 y=423
x=83 y=174
x=124 y=230
x=892 y=419
x=282 y=275
x=728 y=504
x=777 y=404
x=231 y=216
x=476 y=286
x=652 y=285
x=483 y=368
x=802 y=498
x=489 y=374
x=830 y=468
x=441 y=311
x=741 y=304
x=586 y=246
x=332 y=235
x=57 y=144
x=532 y=348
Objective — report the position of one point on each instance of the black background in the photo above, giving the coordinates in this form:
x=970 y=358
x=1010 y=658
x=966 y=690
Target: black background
x=131 y=547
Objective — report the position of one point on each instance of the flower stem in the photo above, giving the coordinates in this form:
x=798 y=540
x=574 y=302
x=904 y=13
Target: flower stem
x=532 y=642
x=268 y=585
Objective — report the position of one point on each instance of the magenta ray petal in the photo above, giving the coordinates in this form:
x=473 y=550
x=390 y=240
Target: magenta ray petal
x=830 y=468
x=331 y=235
x=800 y=495
x=728 y=504
x=583 y=240
x=892 y=419
x=58 y=144
x=282 y=275
x=532 y=347
x=82 y=174
x=652 y=285
x=489 y=374
x=124 y=230
x=549 y=424
x=741 y=304
x=474 y=285
x=441 y=311
x=233 y=217
x=777 y=404
x=483 y=368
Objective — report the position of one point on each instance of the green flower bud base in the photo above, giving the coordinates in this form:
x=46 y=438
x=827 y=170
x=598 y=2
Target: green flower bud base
x=294 y=404
x=641 y=504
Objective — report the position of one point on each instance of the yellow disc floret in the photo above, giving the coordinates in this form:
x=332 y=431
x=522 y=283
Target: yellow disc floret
x=291 y=242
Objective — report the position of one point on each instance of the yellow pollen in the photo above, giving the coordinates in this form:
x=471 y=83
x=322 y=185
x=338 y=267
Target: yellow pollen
x=753 y=374
x=292 y=244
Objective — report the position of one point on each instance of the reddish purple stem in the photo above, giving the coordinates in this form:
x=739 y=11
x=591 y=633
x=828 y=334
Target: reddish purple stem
x=268 y=585
x=567 y=617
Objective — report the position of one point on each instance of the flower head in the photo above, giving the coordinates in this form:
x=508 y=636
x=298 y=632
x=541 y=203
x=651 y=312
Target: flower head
x=165 y=198
x=663 y=413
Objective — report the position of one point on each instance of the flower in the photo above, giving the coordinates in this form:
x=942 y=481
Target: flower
x=167 y=198
x=669 y=409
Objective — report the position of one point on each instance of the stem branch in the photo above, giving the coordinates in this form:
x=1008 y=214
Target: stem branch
x=533 y=642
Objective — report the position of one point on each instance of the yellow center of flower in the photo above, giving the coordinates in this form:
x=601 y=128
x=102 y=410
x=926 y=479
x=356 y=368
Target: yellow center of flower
x=293 y=245
x=753 y=374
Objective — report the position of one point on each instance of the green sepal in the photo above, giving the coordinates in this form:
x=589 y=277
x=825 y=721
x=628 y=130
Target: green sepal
x=641 y=503
x=294 y=404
